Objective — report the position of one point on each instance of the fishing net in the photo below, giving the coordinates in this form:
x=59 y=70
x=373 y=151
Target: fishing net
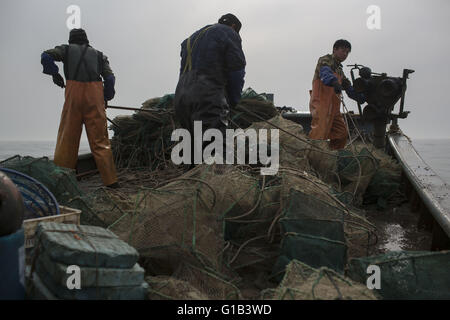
x=182 y=219
x=355 y=170
x=191 y=283
x=60 y=181
x=258 y=104
x=407 y=274
x=371 y=175
x=313 y=232
x=293 y=144
x=384 y=187
x=225 y=219
x=220 y=231
x=38 y=200
x=144 y=138
x=359 y=232
x=347 y=172
x=169 y=288
x=208 y=283
x=302 y=282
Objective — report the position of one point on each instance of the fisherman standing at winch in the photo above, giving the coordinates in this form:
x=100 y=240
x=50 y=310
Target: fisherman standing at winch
x=85 y=98
x=211 y=76
x=328 y=82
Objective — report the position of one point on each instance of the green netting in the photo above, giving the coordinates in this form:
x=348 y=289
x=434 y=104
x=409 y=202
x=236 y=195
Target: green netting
x=382 y=187
x=144 y=138
x=349 y=163
x=60 y=181
x=227 y=223
x=170 y=288
x=355 y=170
x=191 y=283
x=377 y=182
x=257 y=103
x=249 y=93
x=166 y=101
x=301 y=282
x=348 y=172
x=407 y=274
x=345 y=197
x=313 y=233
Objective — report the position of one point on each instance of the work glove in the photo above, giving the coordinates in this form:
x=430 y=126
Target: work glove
x=58 y=80
x=337 y=87
x=346 y=84
x=108 y=90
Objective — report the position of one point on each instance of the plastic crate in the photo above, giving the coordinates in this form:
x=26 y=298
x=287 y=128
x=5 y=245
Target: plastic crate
x=67 y=215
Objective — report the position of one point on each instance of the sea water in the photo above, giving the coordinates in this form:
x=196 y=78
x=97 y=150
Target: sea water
x=35 y=149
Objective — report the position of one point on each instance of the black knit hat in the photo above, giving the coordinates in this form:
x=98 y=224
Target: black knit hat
x=230 y=19
x=78 y=36
x=341 y=43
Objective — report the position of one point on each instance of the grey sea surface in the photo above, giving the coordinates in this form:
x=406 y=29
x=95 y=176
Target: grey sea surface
x=34 y=149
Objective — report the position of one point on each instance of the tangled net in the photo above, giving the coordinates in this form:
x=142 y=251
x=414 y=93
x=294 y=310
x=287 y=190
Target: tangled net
x=216 y=231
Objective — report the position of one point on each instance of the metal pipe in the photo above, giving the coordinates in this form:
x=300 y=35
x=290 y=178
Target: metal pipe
x=129 y=108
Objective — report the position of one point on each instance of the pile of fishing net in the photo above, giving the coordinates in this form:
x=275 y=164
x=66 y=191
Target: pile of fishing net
x=144 y=138
x=226 y=231
x=63 y=184
x=407 y=274
x=60 y=181
x=301 y=282
x=230 y=225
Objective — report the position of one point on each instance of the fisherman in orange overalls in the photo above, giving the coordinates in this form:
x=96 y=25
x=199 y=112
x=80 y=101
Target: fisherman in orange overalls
x=328 y=82
x=85 y=96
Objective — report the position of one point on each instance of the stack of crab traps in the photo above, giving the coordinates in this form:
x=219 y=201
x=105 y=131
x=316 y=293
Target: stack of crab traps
x=83 y=263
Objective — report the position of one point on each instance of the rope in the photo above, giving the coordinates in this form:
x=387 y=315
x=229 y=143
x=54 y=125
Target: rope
x=254 y=207
x=346 y=113
x=242 y=246
x=343 y=206
x=193 y=179
x=354 y=148
x=317 y=149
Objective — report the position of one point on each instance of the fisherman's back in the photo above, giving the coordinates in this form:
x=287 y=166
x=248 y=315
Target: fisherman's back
x=215 y=50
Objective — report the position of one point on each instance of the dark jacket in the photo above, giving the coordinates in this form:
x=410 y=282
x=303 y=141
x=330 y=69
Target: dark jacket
x=93 y=67
x=216 y=53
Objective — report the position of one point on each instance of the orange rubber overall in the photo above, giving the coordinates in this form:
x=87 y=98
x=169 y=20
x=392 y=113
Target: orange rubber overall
x=84 y=104
x=327 y=121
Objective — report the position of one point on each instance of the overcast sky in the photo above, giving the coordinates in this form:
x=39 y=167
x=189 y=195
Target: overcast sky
x=282 y=40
